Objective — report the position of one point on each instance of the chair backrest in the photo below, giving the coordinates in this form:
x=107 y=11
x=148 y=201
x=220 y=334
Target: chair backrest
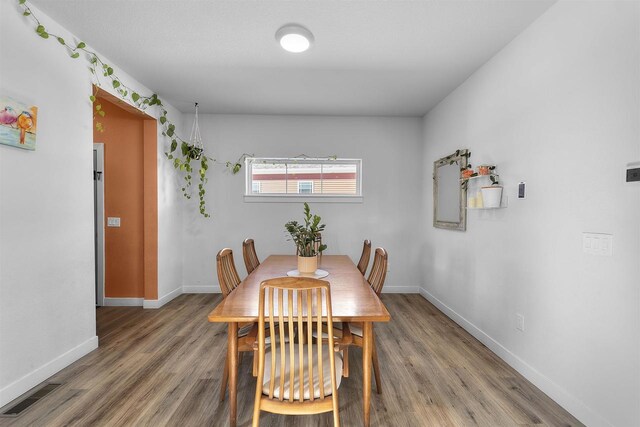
x=249 y=254
x=227 y=273
x=378 y=270
x=290 y=302
x=364 y=258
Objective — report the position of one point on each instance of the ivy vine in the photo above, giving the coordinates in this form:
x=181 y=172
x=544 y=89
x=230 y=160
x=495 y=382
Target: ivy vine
x=186 y=158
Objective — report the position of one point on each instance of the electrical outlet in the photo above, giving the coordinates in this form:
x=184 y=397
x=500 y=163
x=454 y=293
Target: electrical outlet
x=520 y=322
x=113 y=222
x=388 y=267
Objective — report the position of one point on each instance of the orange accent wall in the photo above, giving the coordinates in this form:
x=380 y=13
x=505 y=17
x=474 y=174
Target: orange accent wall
x=130 y=179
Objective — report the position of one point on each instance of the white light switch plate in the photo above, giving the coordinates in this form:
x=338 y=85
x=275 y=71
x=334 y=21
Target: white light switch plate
x=113 y=222
x=597 y=244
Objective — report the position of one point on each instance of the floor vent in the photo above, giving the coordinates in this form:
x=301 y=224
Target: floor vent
x=29 y=400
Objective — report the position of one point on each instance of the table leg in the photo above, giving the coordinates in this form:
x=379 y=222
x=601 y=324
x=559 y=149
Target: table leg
x=367 y=334
x=232 y=357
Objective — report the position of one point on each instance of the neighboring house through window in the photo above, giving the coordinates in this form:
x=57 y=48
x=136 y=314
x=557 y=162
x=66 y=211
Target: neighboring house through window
x=311 y=177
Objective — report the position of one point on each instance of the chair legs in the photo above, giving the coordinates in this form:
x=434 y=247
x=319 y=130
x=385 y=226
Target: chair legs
x=376 y=366
x=374 y=361
x=345 y=363
x=255 y=363
x=225 y=374
x=225 y=379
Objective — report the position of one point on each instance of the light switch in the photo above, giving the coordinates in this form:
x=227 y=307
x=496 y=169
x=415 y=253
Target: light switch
x=597 y=244
x=113 y=222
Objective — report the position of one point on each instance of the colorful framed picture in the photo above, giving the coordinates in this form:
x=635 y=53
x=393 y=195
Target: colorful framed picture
x=18 y=123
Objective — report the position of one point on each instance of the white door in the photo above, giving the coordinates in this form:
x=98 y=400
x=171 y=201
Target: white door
x=98 y=219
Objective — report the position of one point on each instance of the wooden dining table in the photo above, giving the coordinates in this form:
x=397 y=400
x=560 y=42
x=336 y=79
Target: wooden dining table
x=352 y=300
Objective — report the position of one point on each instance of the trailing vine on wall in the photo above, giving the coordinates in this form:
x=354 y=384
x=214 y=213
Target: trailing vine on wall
x=186 y=158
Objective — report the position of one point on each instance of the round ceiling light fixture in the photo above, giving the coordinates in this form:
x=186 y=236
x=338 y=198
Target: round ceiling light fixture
x=294 y=38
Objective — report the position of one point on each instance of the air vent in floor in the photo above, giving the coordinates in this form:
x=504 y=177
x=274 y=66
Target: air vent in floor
x=26 y=402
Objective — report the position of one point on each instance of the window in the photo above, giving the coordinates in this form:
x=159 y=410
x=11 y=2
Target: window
x=305 y=187
x=308 y=177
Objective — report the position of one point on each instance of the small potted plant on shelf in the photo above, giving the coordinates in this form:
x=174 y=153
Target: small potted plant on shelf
x=485 y=169
x=492 y=195
x=467 y=172
x=305 y=236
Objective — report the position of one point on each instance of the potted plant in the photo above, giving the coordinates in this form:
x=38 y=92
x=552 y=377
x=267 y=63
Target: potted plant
x=485 y=169
x=492 y=195
x=304 y=236
x=467 y=172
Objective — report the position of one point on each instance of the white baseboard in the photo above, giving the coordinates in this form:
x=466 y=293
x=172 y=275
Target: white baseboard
x=576 y=407
x=38 y=375
x=401 y=290
x=157 y=303
x=201 y=290
x=123 y=302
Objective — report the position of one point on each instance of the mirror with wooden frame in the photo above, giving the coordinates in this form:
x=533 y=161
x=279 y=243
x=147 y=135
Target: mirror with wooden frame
x=449 y=193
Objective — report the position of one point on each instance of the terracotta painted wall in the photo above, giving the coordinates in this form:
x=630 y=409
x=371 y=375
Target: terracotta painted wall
x=123 y=139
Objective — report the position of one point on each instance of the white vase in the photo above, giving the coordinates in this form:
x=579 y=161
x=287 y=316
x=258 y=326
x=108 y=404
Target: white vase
x=492 y=196
x=307 y=264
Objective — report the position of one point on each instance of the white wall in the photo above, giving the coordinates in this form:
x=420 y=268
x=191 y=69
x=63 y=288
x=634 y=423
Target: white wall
x=47 y=313
x=389 y=214
x=558 y=108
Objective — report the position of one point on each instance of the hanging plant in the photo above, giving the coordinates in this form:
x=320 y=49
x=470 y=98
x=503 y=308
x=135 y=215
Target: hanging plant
x=183 y=158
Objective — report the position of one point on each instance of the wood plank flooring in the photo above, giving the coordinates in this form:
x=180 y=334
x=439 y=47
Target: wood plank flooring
x=163 y=368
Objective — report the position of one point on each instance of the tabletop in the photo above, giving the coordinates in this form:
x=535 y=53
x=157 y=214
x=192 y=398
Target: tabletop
x=352 y=299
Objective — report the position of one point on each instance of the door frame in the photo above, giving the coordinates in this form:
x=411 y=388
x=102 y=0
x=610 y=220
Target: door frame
x=98 y=206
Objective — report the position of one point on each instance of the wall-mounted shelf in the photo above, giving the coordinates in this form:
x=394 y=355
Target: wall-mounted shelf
x=472 y=178
x=484 y=209
x=475 y=199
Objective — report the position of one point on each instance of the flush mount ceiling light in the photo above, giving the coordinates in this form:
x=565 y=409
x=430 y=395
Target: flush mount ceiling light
x=294 y=38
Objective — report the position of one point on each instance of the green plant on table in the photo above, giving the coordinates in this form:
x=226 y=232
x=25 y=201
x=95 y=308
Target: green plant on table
x=304 y=236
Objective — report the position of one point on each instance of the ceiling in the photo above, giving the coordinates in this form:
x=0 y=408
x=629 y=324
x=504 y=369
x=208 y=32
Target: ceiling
x=387 y=58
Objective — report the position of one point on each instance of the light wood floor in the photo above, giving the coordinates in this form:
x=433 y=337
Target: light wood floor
x=163 y=367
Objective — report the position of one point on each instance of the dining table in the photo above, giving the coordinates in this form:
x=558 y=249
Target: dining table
x=352 y=300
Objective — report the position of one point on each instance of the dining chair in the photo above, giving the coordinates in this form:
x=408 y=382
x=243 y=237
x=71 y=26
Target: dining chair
x=297 y=376
x=247 y=332
x=376 y=280
x=364 y=258
x=251 y=261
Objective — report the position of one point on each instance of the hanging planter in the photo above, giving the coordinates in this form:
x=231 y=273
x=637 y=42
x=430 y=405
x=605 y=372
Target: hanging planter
x=195 y=148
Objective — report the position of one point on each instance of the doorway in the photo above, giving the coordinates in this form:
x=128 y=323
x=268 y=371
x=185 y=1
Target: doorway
x=127 y=211
x=98 y=220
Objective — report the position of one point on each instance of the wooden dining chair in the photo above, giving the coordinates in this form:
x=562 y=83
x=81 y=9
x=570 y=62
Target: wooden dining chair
x=376 y=281
x=297 y=376
x=364 y=258
x=251 y=261
x=247 y=332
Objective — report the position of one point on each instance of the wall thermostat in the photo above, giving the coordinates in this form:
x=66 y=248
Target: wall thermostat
x=521 y=187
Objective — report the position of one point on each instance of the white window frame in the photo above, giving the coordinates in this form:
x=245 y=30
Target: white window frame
x=259 y=187
x=249 y=196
